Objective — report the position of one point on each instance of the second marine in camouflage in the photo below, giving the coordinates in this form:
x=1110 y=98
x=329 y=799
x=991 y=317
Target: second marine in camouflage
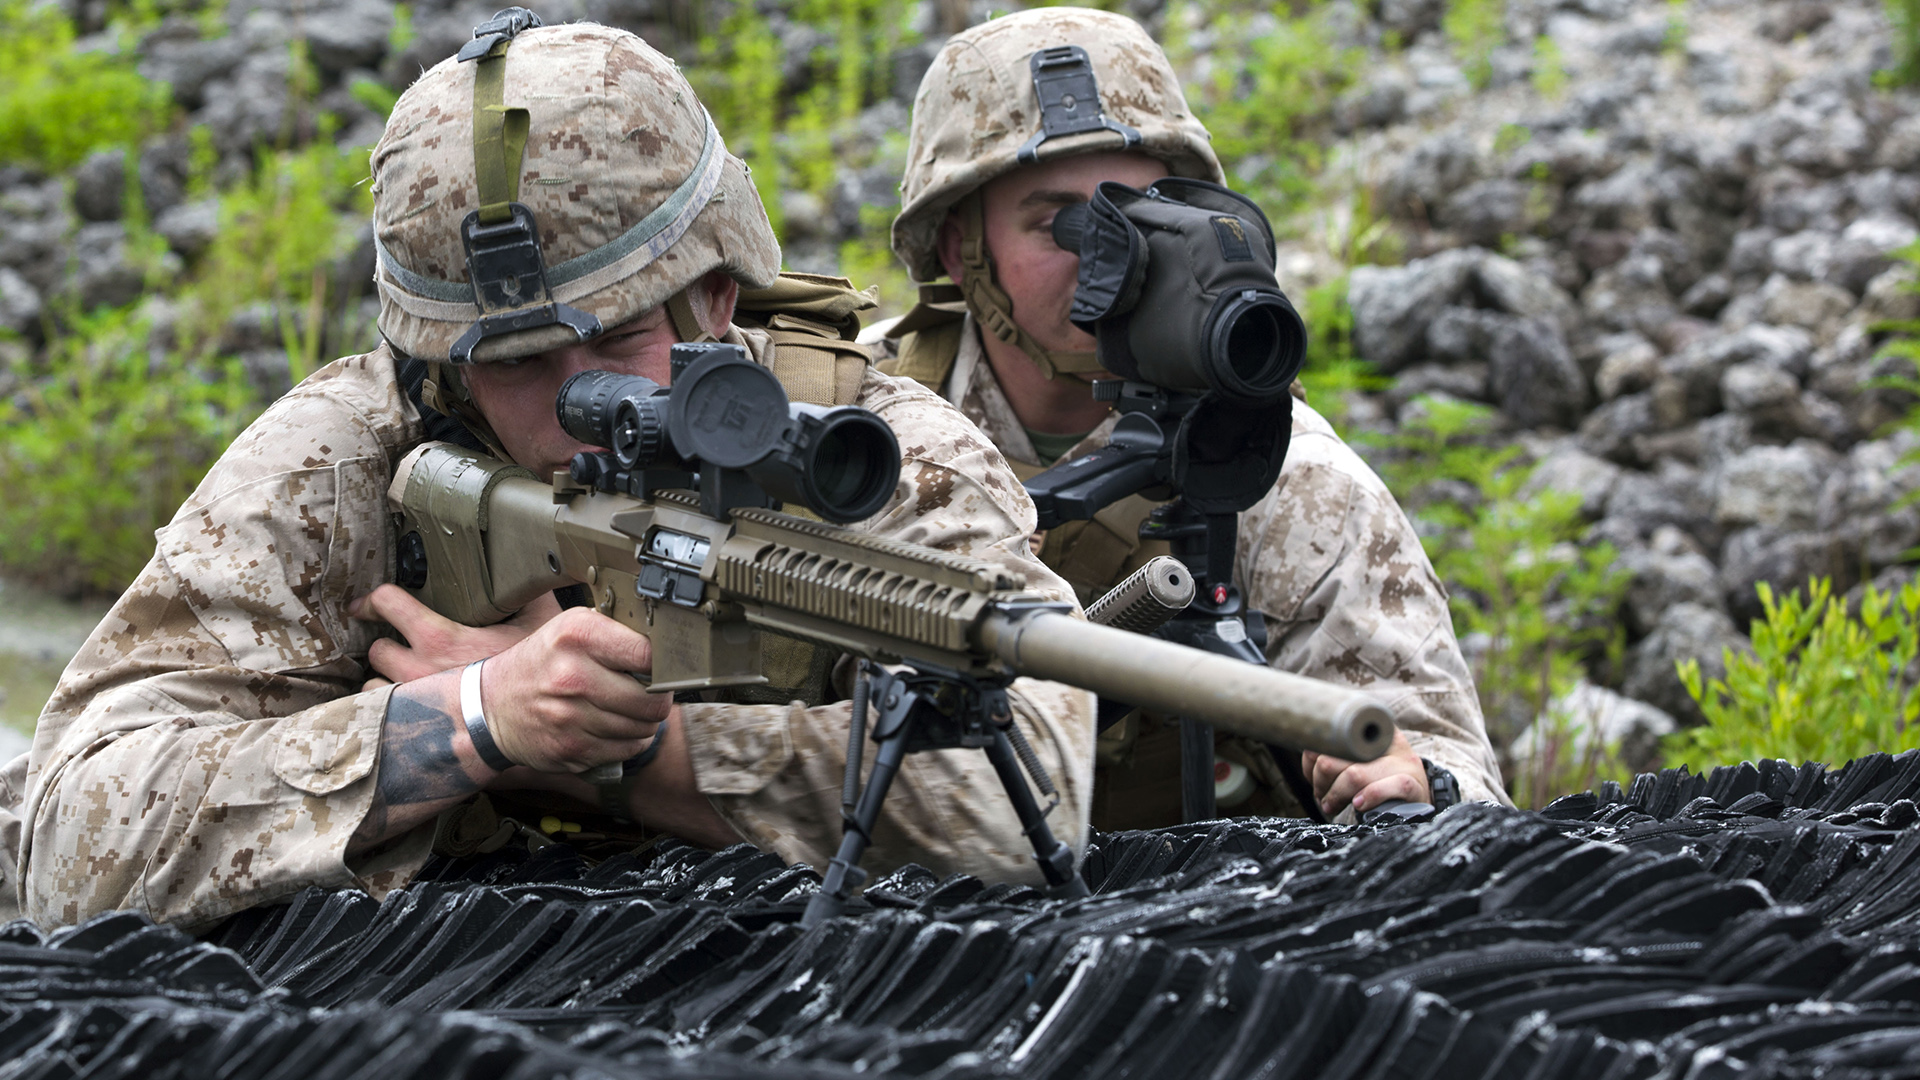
x=1348 y=594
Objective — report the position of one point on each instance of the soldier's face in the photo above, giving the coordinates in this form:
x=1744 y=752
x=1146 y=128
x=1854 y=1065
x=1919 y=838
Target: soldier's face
x=516 y=396
x=1018 y=210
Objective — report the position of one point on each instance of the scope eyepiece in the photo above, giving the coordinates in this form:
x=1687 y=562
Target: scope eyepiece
x=626 y=414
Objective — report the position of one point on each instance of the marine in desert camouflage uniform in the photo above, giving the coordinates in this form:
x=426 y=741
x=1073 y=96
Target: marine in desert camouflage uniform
x=229 y=735
x=1329 y=558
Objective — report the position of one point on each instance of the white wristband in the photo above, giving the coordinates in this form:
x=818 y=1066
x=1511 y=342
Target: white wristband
x=476 y=719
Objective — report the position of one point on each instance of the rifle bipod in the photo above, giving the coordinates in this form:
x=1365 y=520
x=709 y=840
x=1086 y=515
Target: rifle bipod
x=925 y=708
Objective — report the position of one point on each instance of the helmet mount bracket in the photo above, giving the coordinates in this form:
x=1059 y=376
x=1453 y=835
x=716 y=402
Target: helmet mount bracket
x=1069 y=96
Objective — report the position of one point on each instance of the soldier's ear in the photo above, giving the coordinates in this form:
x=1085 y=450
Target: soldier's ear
x=947 y=245
x=714 y=297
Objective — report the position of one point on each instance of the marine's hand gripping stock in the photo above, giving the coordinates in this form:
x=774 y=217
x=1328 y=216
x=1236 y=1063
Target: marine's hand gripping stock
x=479 y=539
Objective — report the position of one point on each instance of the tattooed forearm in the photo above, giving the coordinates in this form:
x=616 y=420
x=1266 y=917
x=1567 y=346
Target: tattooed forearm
x=418 y=774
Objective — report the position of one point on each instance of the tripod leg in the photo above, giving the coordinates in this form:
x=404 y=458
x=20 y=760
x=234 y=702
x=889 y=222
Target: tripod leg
x=843 y=871
x=1054 y=857
x=1196 y=771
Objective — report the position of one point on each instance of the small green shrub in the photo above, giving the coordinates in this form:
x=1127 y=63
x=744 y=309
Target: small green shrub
x=1540 y=601
x=1476 y=28
x=1821 y=684
x=101 y=455
x=58 y=105
x=1268 y=94
x=1332 y=371
x=1905 y=17
x=1549 y=68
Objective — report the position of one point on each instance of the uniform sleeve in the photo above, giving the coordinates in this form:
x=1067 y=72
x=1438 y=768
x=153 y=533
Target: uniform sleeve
x=1351 y=598
x=775 y=772
x=207 y=750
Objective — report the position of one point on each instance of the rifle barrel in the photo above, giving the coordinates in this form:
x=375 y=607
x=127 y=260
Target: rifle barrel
x=1247 y=699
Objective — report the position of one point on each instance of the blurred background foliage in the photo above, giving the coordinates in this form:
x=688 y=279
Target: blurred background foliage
x=112 y=412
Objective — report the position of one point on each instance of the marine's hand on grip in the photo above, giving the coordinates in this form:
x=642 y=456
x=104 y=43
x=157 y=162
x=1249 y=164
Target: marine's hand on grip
x=564 y=699
x=433 y=642
x=1339 y=783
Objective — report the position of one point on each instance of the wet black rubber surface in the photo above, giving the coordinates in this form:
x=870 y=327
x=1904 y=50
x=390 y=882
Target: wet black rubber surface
x=1761 y=921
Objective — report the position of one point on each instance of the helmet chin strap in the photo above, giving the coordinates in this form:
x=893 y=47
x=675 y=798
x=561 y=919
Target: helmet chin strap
x=685 y=322
x=992 y=306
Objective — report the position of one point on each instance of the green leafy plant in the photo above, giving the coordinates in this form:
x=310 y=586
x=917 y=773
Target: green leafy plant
x=1905 y=17
x=1476 y=28
x=1332 y=370
x=1537 y=602
x=57 y=104
x=1549 y=68
x=98 y=457
x=1267 y=95
x=1823 y=683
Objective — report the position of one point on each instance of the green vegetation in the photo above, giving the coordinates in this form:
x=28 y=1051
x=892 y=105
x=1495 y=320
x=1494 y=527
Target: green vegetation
x=1537 y=605
x=1905 y=17
x=1549 y=68
x=57 y=105
x=1476 y=28
x=1823 y=682
x=104 y=452
x=125 y=409
x=1268 y=94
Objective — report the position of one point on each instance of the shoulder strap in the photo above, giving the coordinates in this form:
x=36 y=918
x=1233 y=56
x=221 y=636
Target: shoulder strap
x=926 y=356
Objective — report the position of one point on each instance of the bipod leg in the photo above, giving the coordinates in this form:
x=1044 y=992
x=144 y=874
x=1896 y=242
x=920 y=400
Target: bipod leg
x=1196 y=771
x=843 y=870
x=1054 y=857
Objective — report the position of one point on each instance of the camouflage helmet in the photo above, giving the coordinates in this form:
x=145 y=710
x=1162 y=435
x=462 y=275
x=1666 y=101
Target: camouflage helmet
x=613 y=171
x=978 y=109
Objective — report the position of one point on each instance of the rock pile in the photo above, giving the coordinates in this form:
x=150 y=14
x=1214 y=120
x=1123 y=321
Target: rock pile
x=1670 y=280
x=1762 y=917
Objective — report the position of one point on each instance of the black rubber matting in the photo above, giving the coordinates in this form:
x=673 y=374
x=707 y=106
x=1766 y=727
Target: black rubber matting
x=1763 y=921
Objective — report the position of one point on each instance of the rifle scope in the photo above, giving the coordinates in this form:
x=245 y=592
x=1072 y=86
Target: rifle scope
x=726 y=412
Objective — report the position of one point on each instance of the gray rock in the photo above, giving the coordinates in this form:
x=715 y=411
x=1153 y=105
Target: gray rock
x=876 y=186
x=1785 y=561
x=1465 y=381
x=1610 y=430
x=1802 y=256
x=1462 y=334
x=1885 y=192
x=267 y=370
x=910 y=65
x=1755 y=387
x=1433 y=170
x=20 y=305
x=1685 y=631
x=804 y=215
x=163 y=173
x=100 y=186
x=1891 y=295
x=1643 y=502
x=1751 y=253
x=351 y=35
x=1813 y=305
x=1486 y=211
x=1582 y=729
x=1534 y=376
x=102 y=275
x=190 y=227
x=1868 y=502
x=1379 y=102
x=1505 y=285
x=1411 y=18
x=1630 y=295
x=1571 y=469
x=1773 y=486
x=1627 y=368
x=1624 y=200
x=1660 y=580
x=179 y=56
x=1393 y=305
x=1865 y=250
x=1900 y=146
x=1708 y=296
x=251 y=106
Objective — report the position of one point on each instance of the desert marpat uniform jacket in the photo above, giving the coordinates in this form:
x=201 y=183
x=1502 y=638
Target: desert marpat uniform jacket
x=1328 y=556
x=210 y=748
